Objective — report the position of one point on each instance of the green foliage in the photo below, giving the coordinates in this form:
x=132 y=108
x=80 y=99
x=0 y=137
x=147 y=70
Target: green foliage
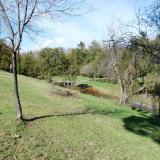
x=5 y=56
x=95 y=57
x=28 y=65
x=152 y=80
x=79 y=56
x=51 y=61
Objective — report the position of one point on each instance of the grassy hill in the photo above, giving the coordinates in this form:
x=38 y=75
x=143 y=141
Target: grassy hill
x=79 y=127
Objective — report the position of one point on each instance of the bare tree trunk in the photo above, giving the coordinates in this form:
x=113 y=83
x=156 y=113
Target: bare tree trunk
x=123 y=97
x=121 y=91
x=154 y=104
x=158 y=105
x=16 y=91
x=19 y=62
x=49 y=77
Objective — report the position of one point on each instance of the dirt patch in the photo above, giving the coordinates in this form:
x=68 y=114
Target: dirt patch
x=92 y=91
x=87 y=89
x=63 y=92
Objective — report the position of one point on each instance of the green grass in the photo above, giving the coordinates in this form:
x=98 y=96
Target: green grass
x=109 y=89
x=81 y=127
x=96 y=84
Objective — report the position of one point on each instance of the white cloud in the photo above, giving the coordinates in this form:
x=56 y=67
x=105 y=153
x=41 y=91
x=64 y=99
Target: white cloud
x=46 y=42
x=71 y=31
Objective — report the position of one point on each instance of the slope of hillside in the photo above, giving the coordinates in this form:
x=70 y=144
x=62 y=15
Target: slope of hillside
x=79 y=127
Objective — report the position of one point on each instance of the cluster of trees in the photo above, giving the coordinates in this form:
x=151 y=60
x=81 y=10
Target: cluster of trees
x=5 y=56
x=50 y=62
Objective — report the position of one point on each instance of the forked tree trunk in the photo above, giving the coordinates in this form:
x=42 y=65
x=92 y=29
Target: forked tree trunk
x=16 y=91
x=123 y=94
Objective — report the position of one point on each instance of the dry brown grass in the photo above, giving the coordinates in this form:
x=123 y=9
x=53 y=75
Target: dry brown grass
x=92 y=91
x=63 y=92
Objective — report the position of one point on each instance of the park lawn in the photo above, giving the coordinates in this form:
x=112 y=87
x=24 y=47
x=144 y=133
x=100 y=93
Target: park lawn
x=111 y=90
x=97 y=84
x=81 y=127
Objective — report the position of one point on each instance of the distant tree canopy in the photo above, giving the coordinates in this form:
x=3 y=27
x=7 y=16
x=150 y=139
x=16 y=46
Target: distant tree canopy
x=5 y=56
x=29 y=65
x=93 y=61
x=52 y=62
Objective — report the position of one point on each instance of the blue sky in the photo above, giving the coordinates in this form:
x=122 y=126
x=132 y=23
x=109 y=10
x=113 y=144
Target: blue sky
x=67 y=32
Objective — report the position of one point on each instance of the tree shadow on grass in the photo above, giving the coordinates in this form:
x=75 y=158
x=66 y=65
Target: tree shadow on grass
x=146 y=126
x=55 y=115
x=85 y=112
x=142 y=125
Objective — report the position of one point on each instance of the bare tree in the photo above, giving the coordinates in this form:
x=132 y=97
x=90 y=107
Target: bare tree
x=151 y=15
x=18 y=18
x=117 y=49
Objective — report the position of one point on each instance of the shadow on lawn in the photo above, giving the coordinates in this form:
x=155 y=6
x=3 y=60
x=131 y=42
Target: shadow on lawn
x=146 y=126
x=54 y=115
x=85 y=112
x=143 y=125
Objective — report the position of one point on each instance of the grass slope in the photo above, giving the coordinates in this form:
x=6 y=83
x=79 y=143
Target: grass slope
x=74 y=128
x=97 y=84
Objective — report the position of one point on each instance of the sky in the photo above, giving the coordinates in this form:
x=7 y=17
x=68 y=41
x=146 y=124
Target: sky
x=68 y=31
